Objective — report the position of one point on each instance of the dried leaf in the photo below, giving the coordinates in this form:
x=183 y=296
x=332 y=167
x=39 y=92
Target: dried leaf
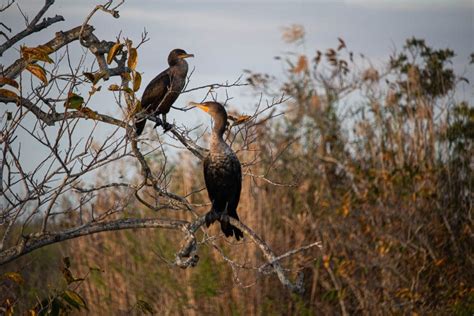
x=67 y=274
x=302 y=64
x=45 y=49
x=74 y=299
x=90 y=76
x=8 y=81
x=67 y=262
x=94 y=77
x=370 y=74
x=342 y=44
x=330 y=53
x=326 y=261
x=8 y=94
x=137 y=81
x=31 y=312
x=38 y=71
x=74 y=101
x=9 y=116
x=36 y=53
x=14 y=276
x=128 y=90
x=125 y=76
x=132 y=58
x=315 y=102
x=317 y=59
x=113 y=52
x=138 y=107
x=94 y=89
x=96 y=268
x=242 y=119
x=294 y=33
x=114 y=87
x=91 y=114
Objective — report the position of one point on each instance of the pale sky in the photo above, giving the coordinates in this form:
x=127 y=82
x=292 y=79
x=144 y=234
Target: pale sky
x=229 y=36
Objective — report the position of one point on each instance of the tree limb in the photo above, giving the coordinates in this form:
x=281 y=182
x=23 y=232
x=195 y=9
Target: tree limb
x=270 y=256
x=33 y=27
x=53 y=117
x=60 y=40
x=32 y=242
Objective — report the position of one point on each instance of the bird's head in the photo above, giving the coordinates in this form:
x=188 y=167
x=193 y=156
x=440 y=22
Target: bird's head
x=214 y=109
x=176 y=55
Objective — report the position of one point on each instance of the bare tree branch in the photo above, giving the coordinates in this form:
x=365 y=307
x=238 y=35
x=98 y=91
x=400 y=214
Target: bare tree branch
x=32 y=242
x=61 y=39
x=33 y=27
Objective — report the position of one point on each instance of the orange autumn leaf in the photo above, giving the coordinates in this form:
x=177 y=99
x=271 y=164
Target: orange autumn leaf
x=113 y=52
x=38 y=71
x=132 y=58
x=8 y=81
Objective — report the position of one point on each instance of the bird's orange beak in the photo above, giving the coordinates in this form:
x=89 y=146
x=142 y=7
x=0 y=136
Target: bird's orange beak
x=202 y=106
x=182 y=56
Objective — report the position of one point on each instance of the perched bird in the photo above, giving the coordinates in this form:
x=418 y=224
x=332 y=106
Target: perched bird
x=222 y=172
x=164 y=89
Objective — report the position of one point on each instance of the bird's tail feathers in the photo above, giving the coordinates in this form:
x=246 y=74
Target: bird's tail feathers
x=140 y=126
x=227 y=228
x=230 y=230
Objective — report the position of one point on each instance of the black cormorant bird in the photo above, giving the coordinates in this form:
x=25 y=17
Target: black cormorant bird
x=222 y=172
x=164 y=89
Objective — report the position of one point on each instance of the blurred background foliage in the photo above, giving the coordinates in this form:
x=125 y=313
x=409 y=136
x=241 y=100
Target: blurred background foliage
x=375 y=162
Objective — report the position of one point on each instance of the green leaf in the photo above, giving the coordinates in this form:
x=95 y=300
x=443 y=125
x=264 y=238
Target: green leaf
x=144 y=307
x=74 y=299
x=74 y=101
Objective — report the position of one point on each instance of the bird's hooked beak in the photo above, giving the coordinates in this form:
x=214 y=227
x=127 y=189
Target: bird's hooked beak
x=183 y=56
x=202 y=106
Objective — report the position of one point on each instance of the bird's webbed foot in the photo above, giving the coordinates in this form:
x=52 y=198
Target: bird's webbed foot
x=157 y=120
x=211 y=217
x=167 y=126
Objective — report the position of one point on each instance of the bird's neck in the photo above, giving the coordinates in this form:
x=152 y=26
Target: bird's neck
x=180 y=67
x=217 y=137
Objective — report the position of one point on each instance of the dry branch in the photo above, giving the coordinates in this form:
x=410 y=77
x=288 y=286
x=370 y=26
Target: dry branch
x=33 y=242
x=32 y=27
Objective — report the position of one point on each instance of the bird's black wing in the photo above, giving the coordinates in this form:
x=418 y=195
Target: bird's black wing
x=234 y=200
x=152 y=97
x=155 y=91
x=234 y=195
x=212 y=179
